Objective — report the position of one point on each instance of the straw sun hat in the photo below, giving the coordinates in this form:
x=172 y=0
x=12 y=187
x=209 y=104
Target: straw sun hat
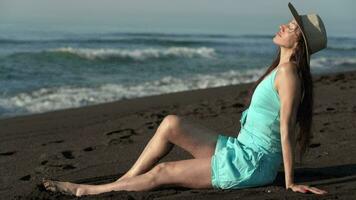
x=313 y=31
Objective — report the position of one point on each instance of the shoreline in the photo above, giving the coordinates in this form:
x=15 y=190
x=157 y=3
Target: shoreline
x=97 y=143
x=168 y=98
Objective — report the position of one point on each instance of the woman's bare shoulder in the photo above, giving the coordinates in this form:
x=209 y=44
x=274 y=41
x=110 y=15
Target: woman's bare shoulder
x=287 y=72
x=289 y=67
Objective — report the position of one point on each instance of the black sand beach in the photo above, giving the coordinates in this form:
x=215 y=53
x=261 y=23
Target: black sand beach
x=97 y=144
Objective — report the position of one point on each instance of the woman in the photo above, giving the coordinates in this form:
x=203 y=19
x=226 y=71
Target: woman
x=281 y=99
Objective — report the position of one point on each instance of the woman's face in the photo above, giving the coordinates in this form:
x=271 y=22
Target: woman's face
x=288 y=35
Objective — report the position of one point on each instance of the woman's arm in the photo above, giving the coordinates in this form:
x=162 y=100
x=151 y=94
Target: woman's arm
x=288 y=87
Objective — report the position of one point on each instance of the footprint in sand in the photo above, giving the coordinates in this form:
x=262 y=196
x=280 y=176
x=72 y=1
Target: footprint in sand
x=63 y=166
x=120 y=136
x=152 y=116
x=25 y=178
x=150 y=125
x=68 y=154
x=330 y=109
x=53 y=142
x=87 y=149
x=9 y=153
x=326 y=123
x=56 y=142
x=158 y=115
x=68 y=166
x=55 y=162
x=44 y=162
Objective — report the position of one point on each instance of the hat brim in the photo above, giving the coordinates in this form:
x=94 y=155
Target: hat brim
x=300 y=24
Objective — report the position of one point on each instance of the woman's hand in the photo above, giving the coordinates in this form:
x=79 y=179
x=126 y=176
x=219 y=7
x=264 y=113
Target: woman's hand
x=306 y=188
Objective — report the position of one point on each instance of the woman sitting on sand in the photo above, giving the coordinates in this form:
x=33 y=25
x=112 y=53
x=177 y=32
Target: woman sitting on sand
x=281 y=99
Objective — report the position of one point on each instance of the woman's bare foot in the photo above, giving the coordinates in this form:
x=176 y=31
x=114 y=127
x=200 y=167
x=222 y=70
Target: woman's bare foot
x=63 y=187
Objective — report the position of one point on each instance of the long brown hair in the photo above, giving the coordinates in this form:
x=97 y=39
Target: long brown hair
x=305 y=109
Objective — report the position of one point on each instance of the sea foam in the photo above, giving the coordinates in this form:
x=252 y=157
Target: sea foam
x=138 y=54
x=48 y=99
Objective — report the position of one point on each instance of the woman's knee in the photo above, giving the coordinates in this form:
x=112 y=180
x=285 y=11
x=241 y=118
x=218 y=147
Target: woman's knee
x=158 y=173
x=172 y=122
x=191 y=173
x=159 y=168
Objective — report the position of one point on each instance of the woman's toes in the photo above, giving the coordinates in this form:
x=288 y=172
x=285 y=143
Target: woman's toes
x=46 y=183
x=49 y=185
x=62 y=187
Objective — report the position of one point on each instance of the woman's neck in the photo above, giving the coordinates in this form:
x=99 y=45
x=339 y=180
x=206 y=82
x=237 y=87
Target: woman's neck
x=286 y=53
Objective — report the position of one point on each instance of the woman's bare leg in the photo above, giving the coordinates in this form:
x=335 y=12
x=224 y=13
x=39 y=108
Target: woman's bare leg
x=193 y=173
x=198 y=140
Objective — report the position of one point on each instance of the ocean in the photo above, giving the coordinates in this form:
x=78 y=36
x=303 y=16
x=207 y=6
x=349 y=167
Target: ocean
x=42 y=71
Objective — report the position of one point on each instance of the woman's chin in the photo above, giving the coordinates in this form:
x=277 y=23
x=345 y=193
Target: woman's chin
x=275 y=40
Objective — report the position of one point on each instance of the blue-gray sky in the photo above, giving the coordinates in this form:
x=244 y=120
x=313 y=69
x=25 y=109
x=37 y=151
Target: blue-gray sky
x=201 y=16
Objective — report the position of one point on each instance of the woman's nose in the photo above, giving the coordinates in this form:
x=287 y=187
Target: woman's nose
x=281 y=27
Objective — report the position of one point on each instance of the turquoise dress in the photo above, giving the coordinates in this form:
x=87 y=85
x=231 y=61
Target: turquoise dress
x=253 y=157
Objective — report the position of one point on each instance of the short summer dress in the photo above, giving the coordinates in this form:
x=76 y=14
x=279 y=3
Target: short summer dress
x=253 y=157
